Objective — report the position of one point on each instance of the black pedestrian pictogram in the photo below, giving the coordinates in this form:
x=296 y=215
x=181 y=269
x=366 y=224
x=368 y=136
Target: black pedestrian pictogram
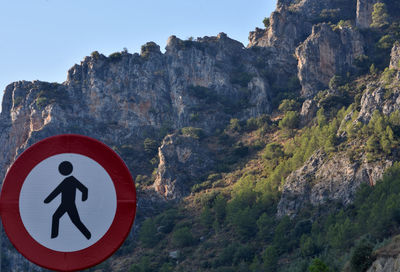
x=67 y=189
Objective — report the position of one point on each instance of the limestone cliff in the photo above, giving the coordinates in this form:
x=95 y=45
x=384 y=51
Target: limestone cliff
x=323 y=179
x=182 y=159
x=387 y=257
x=364 y=12
x=124 y=98
x=384 y=93
x=327 y=53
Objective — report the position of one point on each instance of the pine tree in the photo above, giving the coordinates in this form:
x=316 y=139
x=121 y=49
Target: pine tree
x=380 y=17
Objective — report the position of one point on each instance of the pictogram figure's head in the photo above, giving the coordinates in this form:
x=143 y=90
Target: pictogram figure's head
x=65 y=168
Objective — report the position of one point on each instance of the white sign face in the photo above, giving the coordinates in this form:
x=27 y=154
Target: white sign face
x=67 y=202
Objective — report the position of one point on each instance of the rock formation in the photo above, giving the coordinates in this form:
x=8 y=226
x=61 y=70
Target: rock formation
x=383 y=95
x=387 y=258
x=364 y=12
x=182 y=159
x=395 y=57
x=323 y=179
x=327 y=53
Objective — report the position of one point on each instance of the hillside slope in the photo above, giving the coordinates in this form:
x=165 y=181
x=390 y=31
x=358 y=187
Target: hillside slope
x=269 y=157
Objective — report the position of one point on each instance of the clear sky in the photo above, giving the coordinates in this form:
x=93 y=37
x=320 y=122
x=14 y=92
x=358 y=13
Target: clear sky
x=42 y=39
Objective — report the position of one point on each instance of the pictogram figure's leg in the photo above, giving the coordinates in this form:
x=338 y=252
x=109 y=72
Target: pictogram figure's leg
x=73 y=214
x=56 y=221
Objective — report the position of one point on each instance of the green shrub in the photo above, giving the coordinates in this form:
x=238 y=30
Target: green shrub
x=270 y=259
x=115 y=57
x=144 y=265
x=361 y=258
x=329 y=15
x=341 y=234
x=266 y=22
x=95 y=55
x=167 y=267
x=201 y=186
x=219 y=208
x=282 y=239
x=214 y=177
x=273 y=151
x=166 y=220
x=387 y=76
x=342 y=24
x=41 y=102
x=251 y=124
x=143 y=179
x=182 y=237
x=380 y=17
x=234 y=125
x=265 y=225
x=52 y=93
x=335 y=82
x=149 y=48
x=307 y=246
x=289 y=105
x=290 y=120
x=148 y=233
x=386 y=42
x=244 y=221
x=195 y=133
x=206 y=217
x=373 y=70
x=394 y=121
x=244 y=253
x=150 y=146
x=318 y=266
x=227 y=254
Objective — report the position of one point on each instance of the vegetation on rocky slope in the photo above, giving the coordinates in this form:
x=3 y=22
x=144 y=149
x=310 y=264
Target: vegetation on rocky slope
x=229 y=223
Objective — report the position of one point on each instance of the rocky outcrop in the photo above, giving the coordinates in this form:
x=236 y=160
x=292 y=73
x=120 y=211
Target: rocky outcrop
x=386 y=264
x=308 y=111
x=378 y=98
x=387 y=257
x=395 y=57
x=364 y=12
x=323 y=179
x=383 y=94
x=126 y=97
x=287 y=29
x=182 y=160
x=292 y=23
x=326 y=53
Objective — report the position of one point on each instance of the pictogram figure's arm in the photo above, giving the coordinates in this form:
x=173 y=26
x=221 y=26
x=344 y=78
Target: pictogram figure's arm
x=53 y=194
x=82 y=188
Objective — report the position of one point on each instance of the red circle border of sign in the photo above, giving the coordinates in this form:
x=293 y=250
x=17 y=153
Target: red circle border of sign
x=112 y=239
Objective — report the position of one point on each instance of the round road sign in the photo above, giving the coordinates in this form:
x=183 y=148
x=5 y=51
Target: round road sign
x=68 y=202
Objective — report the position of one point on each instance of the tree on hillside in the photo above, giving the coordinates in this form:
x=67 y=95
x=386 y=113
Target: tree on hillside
x=380 y=16
x=318 y=266
x=289 y=122
x=362 y=257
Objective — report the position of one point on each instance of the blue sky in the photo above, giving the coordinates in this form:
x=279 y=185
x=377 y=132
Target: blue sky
x=42 y=39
